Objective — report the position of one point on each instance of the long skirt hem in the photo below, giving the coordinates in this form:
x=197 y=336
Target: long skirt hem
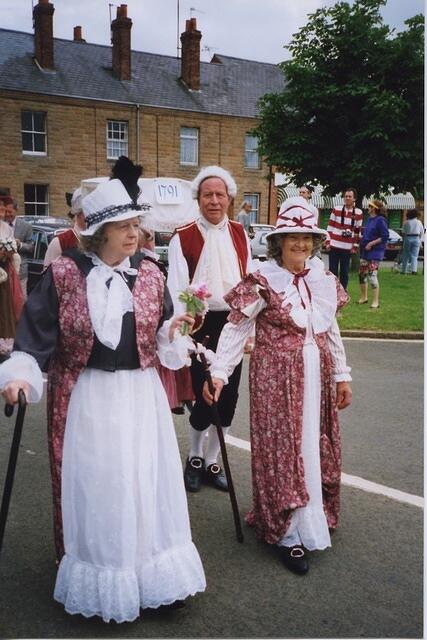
x=119 y=594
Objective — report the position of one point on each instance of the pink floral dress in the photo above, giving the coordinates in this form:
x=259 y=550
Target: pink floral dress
x=297 y=360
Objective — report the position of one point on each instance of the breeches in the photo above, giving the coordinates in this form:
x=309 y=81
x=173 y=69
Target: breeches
x=201 y=416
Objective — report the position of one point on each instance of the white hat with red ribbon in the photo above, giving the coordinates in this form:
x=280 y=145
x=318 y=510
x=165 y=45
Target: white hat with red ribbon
x=295 y=216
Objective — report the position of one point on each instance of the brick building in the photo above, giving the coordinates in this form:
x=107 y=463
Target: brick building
x=68 y=109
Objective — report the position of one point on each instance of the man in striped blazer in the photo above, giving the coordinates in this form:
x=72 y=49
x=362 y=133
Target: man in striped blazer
x=344 y=228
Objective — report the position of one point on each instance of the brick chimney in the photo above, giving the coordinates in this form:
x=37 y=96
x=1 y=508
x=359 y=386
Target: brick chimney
x=43 y=33
x=78 y=35
x=190 y=55
x=120 y=35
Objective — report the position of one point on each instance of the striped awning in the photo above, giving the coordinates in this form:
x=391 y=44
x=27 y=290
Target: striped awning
x=399 y=201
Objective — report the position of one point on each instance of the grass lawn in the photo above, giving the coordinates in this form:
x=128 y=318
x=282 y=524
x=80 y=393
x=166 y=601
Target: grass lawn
x=401 y=304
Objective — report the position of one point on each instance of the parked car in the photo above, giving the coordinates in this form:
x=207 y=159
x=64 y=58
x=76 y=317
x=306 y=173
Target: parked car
x=44 y=229
x=393 y=246
x=161 y=240
x=257 y=233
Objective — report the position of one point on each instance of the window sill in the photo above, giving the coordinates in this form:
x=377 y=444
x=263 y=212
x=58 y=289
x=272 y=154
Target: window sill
x=35 y=154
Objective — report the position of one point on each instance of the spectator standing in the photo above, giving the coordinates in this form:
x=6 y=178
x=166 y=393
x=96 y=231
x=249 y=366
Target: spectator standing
x=344 y=229
x=244 y=215
x=23 y=234
x=11 y=296
x=213 y=250
x=413 y=232
x=372 y=247
x=306 y=192
x=5 y=229
x=70 y=238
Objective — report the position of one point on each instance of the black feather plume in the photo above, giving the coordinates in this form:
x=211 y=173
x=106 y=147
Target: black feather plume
x=128 y=173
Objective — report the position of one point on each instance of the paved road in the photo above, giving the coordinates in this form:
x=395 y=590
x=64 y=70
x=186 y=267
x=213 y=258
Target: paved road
x=368 y=585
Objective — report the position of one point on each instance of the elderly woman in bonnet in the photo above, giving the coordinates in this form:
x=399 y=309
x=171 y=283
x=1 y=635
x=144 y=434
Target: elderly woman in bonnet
x=98 y=322
x=298 y=379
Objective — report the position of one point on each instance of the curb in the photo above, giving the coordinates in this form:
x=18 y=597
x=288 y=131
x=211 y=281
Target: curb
x=383 y=335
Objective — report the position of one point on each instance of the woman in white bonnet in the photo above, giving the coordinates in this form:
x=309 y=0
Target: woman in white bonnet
x=98 y=322
x=298 y=380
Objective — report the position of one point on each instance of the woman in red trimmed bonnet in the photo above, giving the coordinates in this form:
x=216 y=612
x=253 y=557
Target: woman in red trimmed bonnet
x=298 y=380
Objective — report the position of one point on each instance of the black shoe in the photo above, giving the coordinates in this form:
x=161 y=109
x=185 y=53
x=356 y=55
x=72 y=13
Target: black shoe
x=295 y=559
x=214 y=475
x=178 y=604
x=164 y=608
x=193 y=474
x=178 y=411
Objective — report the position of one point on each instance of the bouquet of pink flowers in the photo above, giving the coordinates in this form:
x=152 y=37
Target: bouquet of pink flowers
x=194 y=298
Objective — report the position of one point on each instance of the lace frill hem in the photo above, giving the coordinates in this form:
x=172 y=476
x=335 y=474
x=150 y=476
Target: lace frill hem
x=119 y=594
x=308 y=527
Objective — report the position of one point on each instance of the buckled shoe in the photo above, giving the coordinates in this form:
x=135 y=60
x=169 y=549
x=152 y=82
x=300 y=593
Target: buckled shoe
x=214 y=475
x=193 y=474
x=295 y=559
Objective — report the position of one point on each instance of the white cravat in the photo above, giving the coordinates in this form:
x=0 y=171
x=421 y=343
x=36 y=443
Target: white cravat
x=107 y=305
x=218 y=266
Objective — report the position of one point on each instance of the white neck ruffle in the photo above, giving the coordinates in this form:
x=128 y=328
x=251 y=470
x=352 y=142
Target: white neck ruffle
x=108 y=304
x=218 y=266
x=322 y=287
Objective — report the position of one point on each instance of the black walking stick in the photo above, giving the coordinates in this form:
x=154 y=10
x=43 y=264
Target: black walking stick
x=7 y=491
x=217 y=422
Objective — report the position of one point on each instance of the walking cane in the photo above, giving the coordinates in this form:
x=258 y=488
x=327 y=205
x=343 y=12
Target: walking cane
x=217 y=423
x=7 y=491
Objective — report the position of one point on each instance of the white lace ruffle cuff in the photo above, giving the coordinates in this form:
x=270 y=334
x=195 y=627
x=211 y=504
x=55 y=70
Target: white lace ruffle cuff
x=220 y=373
x=173 y=355
x=22 y=366
x=344 y=376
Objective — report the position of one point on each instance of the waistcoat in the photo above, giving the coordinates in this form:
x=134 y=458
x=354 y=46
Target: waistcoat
x=68 y=239
x=192 y=243
x=76 y=332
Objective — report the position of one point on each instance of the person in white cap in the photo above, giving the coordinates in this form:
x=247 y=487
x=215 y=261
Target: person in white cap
x=98 y=321
x=212 y=250
x=298 y=380
x=70 y=238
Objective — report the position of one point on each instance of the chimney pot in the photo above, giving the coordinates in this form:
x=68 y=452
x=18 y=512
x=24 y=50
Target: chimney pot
x=43 y=33
x=120 y=29
x=190 y=55
x=78 y=34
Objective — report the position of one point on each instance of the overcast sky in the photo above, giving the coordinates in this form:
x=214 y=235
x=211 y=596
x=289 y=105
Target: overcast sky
x=251 y=29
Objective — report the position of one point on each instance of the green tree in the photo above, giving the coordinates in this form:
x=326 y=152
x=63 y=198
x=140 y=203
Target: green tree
x=351 y=112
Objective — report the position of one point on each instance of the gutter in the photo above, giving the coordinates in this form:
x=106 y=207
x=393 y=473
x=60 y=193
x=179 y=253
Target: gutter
x=130 y=104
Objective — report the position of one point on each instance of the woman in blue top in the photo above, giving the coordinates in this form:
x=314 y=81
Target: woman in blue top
x=372 y=247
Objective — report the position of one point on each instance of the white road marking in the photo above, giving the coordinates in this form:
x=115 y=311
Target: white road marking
x=366 y=339
x=353 y=481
